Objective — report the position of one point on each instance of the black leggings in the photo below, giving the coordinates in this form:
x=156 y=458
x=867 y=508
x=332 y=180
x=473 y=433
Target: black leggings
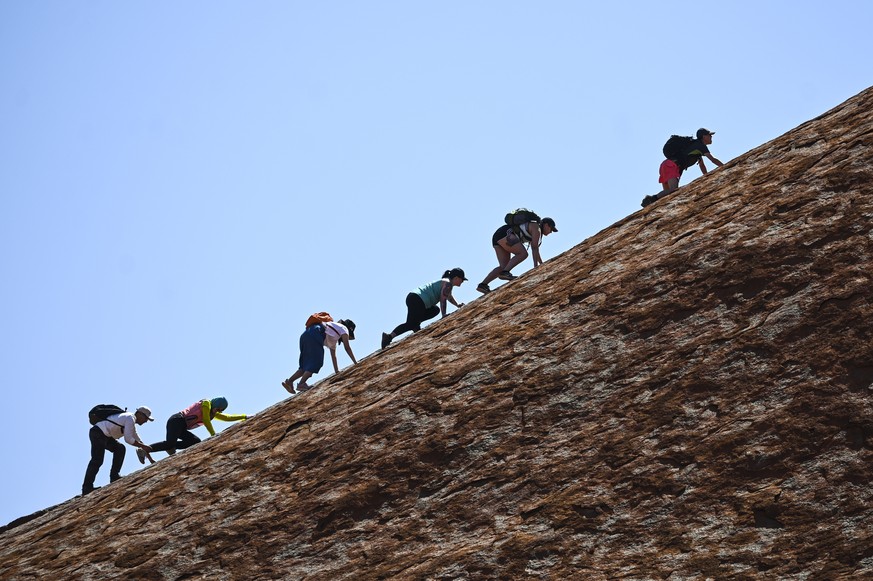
x=178 y=435
x=416 y=314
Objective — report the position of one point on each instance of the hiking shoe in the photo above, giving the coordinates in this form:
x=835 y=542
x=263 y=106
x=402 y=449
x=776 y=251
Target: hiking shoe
x=506 y=275
x=89 y=490
x=648 y=200
x=386 y=340
x=301 y=387
x=289 y=387
x=140 y=455
x=483 y=288
x=171 y=452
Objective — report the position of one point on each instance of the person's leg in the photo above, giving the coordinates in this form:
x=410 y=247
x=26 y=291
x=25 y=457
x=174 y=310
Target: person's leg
x=424 y=314
x=303 y=386
x=118 y=451
x=98 y=451
x=428 y=315
x=288 y=384
x=179 y=436
x=670 y=185
x=504 y=248
x=415 y=315
x=668 y=177
x=503 y=257
x=175 y=426
x=311 y=357
x=519 y=253
x=187 y=439
x=669 y=174
x=311 y=354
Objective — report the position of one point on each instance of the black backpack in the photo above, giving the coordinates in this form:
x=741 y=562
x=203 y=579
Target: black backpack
x=101 y=412
x=520 y=216
x=677 y=148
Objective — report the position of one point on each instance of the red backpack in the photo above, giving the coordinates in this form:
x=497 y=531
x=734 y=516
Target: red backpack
x=317 y=318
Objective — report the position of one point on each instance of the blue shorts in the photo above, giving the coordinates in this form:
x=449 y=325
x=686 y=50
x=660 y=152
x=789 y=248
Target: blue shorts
x=312 y=349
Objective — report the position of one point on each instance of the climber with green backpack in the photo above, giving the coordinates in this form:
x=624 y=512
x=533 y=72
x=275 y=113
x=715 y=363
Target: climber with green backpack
x=681 y=153
x=520 y=227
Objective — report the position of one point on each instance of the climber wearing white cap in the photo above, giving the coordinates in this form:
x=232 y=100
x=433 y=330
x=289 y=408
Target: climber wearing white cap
x=110 y=425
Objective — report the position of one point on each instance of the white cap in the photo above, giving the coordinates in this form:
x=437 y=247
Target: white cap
x=146 y=412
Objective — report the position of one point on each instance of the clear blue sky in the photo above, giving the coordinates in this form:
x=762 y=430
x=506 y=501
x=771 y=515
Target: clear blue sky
x=183 y=183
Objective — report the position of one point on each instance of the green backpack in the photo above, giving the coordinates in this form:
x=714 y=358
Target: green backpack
x=520 y=216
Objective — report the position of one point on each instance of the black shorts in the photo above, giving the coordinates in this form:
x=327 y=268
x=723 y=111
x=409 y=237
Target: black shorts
x=503 y=232
x=499 y=235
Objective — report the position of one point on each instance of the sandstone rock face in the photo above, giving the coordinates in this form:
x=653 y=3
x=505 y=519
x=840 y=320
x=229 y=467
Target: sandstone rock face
x=686 y=395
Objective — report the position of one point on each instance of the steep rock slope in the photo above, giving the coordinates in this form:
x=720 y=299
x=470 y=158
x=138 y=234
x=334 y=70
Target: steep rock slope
x=685 y=395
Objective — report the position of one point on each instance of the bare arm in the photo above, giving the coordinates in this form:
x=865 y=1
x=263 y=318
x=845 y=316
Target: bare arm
x=446 y=295
x=536 y=238
x=348 y=346
x=333 y=360
x=714 y=160
x=131 y=436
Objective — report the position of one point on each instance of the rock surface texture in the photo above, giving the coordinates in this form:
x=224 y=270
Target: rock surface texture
x=686 y=395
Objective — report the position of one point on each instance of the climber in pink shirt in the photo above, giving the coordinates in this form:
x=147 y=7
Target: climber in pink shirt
x=179 y=426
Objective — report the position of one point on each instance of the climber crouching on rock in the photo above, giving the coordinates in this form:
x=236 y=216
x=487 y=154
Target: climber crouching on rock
x=179 y=426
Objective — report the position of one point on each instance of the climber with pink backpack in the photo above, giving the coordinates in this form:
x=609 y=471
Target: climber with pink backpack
x=180 y=424
x=321 y=331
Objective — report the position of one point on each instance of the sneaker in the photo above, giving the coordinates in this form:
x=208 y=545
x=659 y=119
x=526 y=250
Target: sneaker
x=506 y=275
x=89 y=490
x=113 y=478
x=483 y=288
x=140 y=455
x=301 y=387
x=648 y=200
x=386 y=340
x=289 y=387
x=171 y=452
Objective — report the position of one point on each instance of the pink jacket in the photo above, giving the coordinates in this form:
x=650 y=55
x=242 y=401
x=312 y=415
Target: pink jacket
x=200 y=413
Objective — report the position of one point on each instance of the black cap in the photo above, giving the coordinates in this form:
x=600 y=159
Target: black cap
x=350 y=325
x=551 y=223
x=702 y=131
x=457 y=272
